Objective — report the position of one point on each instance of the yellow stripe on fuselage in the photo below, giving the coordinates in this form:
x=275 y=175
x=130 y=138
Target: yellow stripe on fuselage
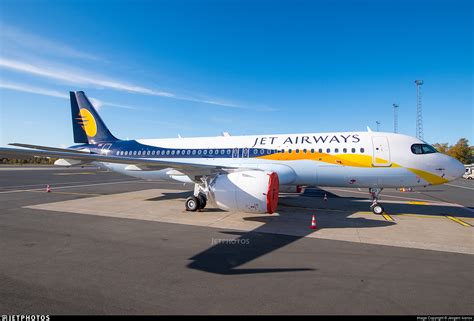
x=354 y=160
x=427 y=176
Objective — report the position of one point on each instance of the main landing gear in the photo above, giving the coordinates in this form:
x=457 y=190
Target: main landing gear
x=376 y=207
x=199 y=200
x=194 y=203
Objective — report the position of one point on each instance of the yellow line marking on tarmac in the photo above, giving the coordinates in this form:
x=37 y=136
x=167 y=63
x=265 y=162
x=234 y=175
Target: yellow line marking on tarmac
x=455 y=219
x=69 y=174
x=387 y=217
x=67 y=193
x=417 y=203
x=416 y=215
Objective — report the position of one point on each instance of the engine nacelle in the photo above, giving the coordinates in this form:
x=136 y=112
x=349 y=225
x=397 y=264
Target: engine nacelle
x=247 y=191
x=291 y=189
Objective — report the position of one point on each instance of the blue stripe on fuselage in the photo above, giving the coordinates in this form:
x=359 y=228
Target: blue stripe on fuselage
x=132 y=148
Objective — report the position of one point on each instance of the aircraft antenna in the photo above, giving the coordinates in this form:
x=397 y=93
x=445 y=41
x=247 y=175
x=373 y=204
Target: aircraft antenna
x=419 y=110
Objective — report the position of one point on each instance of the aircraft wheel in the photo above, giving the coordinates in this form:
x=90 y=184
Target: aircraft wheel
x=377 y=209
x=192 y=204
x=202 y=200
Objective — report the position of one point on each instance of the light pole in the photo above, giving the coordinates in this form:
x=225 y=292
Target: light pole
x=395 y=118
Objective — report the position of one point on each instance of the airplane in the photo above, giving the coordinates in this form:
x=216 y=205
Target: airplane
x=246 y=173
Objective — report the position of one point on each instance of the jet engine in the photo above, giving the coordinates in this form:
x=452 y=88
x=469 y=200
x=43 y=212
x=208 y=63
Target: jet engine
x=291 y=189
x=249 y=191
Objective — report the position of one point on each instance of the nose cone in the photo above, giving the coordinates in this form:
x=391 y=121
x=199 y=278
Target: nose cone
x=454 y=169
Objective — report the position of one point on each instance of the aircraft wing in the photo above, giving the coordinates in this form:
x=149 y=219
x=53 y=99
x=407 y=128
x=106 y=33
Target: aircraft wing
x=54 y=149
x=193 y=169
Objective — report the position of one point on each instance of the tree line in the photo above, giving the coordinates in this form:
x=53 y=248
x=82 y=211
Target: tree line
x=34 y=160
x=461 y=150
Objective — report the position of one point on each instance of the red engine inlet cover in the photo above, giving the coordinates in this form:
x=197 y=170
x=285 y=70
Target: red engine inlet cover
x=272 y=194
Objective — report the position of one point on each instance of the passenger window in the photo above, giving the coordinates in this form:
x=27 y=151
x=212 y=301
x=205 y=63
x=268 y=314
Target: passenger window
x=205 y=152
x=217 y=151
x=362 y=150
x=153 y=152
x=353 y=150
x=222 y=151
x=211 y=151
x=297 y=151
x=336 y=150
x=328 y=150
x=312 y=150
x=167 y=152
x=262 y=151
x=344 y=150
x=229 y=151
x=188 y=152
x=290 y=151
x=304 y=150
x=321 y=150
x=178 y=152
x=194 y=152
x=134 y=152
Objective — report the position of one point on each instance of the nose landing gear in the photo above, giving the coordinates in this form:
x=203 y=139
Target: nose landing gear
x=376 y=207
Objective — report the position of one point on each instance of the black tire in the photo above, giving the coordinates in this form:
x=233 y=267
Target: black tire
x=202 y=201
x=377 y=209
x=192 y=204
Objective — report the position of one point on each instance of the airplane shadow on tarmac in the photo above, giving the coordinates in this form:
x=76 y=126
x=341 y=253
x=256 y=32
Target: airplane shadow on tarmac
x=227 y=255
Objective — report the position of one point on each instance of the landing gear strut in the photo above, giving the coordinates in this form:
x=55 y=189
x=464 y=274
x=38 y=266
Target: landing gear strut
x=376 y=207
x=199 y=200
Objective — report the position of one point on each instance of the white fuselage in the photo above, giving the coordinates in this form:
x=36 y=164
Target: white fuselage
x=347 y=159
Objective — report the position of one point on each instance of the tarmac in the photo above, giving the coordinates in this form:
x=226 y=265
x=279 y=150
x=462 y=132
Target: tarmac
x=102 y=243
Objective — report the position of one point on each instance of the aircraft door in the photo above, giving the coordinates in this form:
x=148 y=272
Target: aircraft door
x=381 y=151
x=235 y=153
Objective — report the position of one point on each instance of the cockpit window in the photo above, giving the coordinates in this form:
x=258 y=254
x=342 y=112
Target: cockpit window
x=422 y=149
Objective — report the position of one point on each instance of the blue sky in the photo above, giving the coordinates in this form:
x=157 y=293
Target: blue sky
x=197 y=68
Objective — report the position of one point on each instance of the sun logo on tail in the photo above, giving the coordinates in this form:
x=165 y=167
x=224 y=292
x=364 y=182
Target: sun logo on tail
x=87 y=122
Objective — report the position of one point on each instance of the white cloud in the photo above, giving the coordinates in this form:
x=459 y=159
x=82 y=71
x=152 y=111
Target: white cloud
x=85 y=79
x=14 y=39
x=52 y=93
x=33 y=90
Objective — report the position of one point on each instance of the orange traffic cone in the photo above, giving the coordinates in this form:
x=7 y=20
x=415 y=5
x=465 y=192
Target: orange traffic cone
x=325 y=197
x=313 y=223
x=48 y=189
